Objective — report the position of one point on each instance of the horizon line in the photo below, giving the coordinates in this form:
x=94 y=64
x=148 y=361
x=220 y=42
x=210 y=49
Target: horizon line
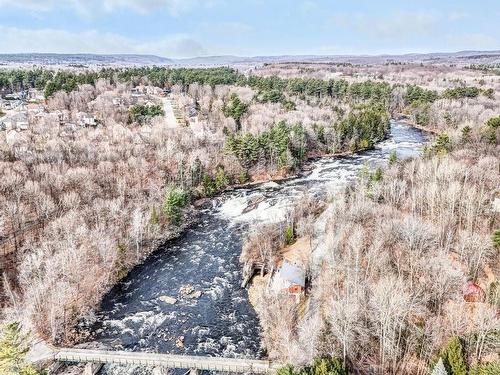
x=382 y=54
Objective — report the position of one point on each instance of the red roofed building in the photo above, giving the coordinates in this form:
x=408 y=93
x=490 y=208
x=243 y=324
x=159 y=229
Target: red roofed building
x=473 y=292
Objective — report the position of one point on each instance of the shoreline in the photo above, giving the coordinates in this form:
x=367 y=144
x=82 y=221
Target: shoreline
x=405 y=119
x=200 y=203
x=301 y=172
x=257 y=285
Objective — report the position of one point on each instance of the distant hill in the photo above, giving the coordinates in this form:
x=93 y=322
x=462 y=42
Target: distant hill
x=462 y=58
x=82 y=59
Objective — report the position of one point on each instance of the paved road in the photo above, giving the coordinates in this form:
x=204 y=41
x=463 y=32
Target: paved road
x=170 y=119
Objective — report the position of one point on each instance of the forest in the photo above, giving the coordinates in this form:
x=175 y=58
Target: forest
x=391 y=255
x=82 y=210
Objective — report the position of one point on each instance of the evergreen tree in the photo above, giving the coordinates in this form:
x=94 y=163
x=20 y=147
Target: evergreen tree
x=175 y=200
x=493 y=122
x=453 y=357
x=393 y=158
x=492 y=368
x=442 y=144
x=321 y=366
x=235 y=109
x=13 y=350
x=221 y=178
x=496 y=238
x=466 y=130
x=326 y=366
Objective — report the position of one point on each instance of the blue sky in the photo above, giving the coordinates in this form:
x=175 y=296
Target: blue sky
x=187 y=28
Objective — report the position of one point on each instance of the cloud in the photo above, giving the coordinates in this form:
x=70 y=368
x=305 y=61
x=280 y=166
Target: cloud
x=29 y=4
x=329 y=50
x=86 y=7
x=457 y=15
x=17 y=40
x=228 y=28
x=393 y=27
x=174 y=7
x=472 y=41
x=48 y=5
x=308 y=6
x=172 y=46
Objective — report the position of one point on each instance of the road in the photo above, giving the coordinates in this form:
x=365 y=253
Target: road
x=170 y=120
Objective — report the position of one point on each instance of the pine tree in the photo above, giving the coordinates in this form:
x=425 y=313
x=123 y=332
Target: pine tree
x=453 y=357
x=13 y=349
x=492 y=368
x=328 y=366
x=393 y=158
x=175 y=200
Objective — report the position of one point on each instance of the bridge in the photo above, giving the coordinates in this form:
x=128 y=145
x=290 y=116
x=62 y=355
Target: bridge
x=96 y=358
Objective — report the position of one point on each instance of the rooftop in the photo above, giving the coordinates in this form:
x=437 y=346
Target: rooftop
x=292 y=273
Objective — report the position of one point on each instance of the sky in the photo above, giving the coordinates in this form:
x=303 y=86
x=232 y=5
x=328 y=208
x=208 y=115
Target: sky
x=189 y=28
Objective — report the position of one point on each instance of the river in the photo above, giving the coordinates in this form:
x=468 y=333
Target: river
x=136 y=314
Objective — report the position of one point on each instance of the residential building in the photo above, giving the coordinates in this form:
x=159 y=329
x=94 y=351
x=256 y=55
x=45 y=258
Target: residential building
x=290 y=278
x=85 y=119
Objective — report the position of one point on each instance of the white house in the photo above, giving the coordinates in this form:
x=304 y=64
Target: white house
x=290 y=278
x=35 y=95
x=85 y=119
x=18 y=121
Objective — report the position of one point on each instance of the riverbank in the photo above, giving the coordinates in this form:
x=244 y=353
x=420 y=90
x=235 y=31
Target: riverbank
x=366 y=262
x=303 y=171
x=407 y=120
x=177 y=263
x=134 y=315
x=263 y=297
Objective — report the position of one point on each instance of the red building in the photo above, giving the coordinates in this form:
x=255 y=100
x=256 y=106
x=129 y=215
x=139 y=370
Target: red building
x=473 y=292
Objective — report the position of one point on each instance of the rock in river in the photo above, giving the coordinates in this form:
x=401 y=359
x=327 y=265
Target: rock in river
x=186 y=290
x=179 y=342
x=168 y=299
x=194 y=295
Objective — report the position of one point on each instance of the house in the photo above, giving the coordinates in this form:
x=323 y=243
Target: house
x=290 y=278
x=117 y=101
x=5 y=91
x=192 y=112
x=151 y=90
x=34 y=108
x=39 y=115
x=473 y=292
x=21 y=106
x=18 y=121
x=85 y=119
x=138 y=90
x=22 y=125
x=62 y=116
x=4 y=103
x=35 y=95
x=15 y=95
x=12 y=104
